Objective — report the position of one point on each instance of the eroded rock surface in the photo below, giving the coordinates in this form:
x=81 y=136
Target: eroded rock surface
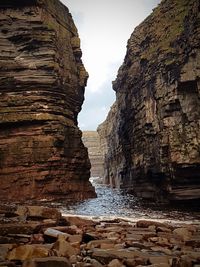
x=42 y=81
x=63 y=241
x=91 y=140
x=153 y=138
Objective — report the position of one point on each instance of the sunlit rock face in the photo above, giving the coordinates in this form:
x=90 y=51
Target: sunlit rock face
x=153 y=142
x=91 y=140
x=42 y=81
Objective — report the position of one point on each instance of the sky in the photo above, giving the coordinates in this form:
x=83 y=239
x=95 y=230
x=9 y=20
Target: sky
x=104 y=27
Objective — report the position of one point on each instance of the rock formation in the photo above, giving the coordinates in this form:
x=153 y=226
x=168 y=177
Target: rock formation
x=153 y=139
x=91 y=140
x=32 y=236
x=42 y=82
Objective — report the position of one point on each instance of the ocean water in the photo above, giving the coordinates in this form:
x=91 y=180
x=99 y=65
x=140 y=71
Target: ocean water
x=115 y=203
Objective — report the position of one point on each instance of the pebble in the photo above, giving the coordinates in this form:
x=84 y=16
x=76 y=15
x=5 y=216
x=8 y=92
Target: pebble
x=85 y=243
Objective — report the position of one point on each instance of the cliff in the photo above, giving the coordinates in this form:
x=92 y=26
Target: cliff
x=153 y=142
x=91 y=140
x=42 y=81
x=106 y=135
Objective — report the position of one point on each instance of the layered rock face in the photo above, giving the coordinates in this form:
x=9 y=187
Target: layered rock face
x=153 y=142
x=42 y=82
x=105 y=132
x=92 y=141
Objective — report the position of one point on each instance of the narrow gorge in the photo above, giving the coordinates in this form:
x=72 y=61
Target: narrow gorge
x=42 y=83
x=151 y=136
x=146 y=152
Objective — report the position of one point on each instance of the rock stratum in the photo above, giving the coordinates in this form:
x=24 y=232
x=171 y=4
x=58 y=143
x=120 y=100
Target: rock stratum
x=32 y=236
x=91 y=140
x=42 y=81
x=152 y=132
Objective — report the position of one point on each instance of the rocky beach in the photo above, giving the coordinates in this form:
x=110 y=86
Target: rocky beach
x=36 y=236
x=145 y=155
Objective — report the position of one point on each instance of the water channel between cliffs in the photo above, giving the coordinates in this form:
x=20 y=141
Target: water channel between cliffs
x=115 y=203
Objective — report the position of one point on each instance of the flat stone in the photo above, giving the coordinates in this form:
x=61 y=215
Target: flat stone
x=158 y=260
x=19 y=228
x=74 y=238
x=162 y=241
x=119 y=254
x=7 y=264
x=39 y=212
x=54 y=233
x=146 y=224
x=64 y=248
x=162 y=249
x=47 y=262
x=183 y=234
x=78 y=221
x=26 y=252
x=4 y=248
x=115 y=263
x=98 y=243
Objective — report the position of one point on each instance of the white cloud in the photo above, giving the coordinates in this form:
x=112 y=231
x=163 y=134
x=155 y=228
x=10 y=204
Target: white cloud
x=104 y=27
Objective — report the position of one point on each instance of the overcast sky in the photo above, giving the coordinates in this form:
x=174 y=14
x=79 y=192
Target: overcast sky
x=104 y=27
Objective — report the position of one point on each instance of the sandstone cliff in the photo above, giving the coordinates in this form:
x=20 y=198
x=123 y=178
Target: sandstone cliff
x=91 y=140
x=42 y=82
x=154 y=140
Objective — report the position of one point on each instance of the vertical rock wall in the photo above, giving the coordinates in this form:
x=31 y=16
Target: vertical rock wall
x=91 y=140
x=154 y=140
x=42 y=82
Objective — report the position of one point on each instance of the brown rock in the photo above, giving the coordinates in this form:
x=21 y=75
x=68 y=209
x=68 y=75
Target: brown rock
x=64 y=248
x=19 y=228
x=146 y=224
x=158 y=260
x=151 y=134
x=7 y=264
x=38 y=212
x=182 y=233
x=26 y=252
x=4 y=248
x=42 y=81
x=48 y=262
x=79 y=221
x=115 y=263
x=99 y=243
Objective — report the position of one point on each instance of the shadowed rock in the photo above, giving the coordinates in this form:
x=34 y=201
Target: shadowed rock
x=152 y=131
